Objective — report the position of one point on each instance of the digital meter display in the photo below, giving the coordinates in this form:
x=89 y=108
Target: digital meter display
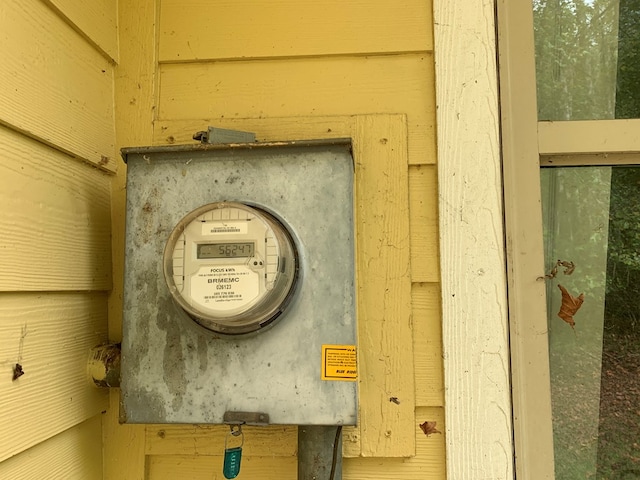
x=226 y=250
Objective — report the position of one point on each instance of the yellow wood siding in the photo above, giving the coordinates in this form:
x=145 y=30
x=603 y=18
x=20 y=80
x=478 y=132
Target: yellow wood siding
x=200 y=467
x=427 y=338
x=289 y=28
x=56 y=150
x=49 y=334
x=277 y=441
x=427 y=464
x=288 y=87
x=295 y=70
x=55 y=86
x=424 y=223
x=199 y=456
x=96 y=20
x=71 y=455
x=56 y=217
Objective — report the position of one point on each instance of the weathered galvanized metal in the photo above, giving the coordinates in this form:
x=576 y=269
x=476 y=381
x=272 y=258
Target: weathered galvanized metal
x=319 y=452
x=174 y=371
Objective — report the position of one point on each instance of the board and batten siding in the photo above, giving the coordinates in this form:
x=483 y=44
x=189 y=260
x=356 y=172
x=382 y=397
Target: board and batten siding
x=57 y=146
x=298 y=70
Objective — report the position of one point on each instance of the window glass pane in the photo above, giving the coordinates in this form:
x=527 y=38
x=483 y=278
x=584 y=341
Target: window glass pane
x=587 y=59
x=592 y=248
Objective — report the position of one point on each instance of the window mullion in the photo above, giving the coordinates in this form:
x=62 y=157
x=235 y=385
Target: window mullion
x=533 y=436
x=589 y=137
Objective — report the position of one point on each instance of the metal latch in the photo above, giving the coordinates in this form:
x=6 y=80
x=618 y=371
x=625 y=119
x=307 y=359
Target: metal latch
x=246 y=418
x=223 y=135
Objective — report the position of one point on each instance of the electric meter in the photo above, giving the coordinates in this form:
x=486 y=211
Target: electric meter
x=231 y=267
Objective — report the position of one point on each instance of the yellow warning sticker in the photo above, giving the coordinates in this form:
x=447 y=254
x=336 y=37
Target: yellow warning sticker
x=339 y=363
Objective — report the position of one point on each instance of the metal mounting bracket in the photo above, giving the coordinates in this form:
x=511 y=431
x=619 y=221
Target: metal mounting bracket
x=223 y=135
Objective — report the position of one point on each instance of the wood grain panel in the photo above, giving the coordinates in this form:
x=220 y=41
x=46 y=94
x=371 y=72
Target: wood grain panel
x=427 y=344
x=53 y=84
x=327 y=86
x=428 y=463
x=384 y=288
x=198 y=29
x=472 y=251
x=55 y=219
x=50 y=336
x=96 y=20
x=277 y=441
x=75 y=454
x=203 y=467
x=423 y=198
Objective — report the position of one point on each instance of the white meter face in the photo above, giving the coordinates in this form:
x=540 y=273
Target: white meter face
x=231 y=267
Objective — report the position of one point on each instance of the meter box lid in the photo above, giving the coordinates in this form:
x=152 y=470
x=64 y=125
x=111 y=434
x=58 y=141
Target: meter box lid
x=239 y=288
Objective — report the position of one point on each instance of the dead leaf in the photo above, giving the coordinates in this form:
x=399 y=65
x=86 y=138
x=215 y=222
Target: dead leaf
x=570 y=305
x=429 y=427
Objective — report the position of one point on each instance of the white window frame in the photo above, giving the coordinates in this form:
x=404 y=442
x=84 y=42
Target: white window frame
x=479 y=442
x=531 y=393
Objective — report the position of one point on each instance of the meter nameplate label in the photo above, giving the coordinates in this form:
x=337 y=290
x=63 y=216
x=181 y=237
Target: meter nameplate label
x=224 y=287
x=339 y=363
x=225 y=228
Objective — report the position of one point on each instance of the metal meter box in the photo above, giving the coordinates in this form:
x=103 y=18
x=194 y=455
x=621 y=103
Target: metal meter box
x=239 y=296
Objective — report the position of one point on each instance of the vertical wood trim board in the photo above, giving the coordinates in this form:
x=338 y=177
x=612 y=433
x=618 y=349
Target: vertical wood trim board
x=135 y=100
x=475 y=327
x=384 y=287
x=531 y=389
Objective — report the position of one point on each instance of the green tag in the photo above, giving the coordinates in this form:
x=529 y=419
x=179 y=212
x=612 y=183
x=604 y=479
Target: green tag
x=232 y=457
